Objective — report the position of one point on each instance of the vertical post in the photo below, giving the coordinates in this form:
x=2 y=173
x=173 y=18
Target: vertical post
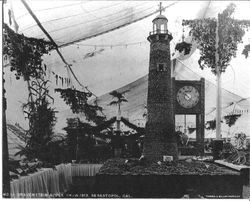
x=77 y=146
x=218 y=106
x=5 y=150
x=77 y=139
x=118 y=119
x=200 y=120
x=218 y=97
x=185 y=124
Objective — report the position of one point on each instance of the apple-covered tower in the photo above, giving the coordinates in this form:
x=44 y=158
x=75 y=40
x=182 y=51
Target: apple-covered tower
x=160 y=136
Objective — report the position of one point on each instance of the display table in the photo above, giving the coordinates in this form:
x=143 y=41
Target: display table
x=47 y=182
x=85 y=169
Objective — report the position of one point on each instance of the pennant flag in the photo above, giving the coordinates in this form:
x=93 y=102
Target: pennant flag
x=56 y=79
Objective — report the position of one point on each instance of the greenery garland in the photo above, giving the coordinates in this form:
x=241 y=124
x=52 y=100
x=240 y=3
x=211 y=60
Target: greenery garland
x=231 y=119
x=211 y=125
x=24 y=53
x=74 y=98
x=230 y=32
x=246 y=50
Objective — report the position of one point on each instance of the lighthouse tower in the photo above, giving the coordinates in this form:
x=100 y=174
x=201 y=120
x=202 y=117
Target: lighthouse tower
x=160 y=136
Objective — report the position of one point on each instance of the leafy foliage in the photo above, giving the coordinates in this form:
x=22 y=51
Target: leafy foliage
x=119 y=97
x=74 y=98
x=41 y=121
x=240 y=139
x=230 y=33
x=24 y=53
x=77 y=100
x=204 y=32
x=246 y=50
x=25 y=59
x=231 y=119
x=211 y=125
x=80 y=144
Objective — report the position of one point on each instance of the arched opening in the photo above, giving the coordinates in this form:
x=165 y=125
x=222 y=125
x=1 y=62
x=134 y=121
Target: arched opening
x=162 y=28
x=154 y=27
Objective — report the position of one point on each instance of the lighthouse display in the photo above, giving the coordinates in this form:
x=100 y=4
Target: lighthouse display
x=160 y=139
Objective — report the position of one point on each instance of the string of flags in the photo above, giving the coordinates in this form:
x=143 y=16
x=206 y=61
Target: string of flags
x=96 y=52
x=111 y=45
x=59 y=80
x=238 y=112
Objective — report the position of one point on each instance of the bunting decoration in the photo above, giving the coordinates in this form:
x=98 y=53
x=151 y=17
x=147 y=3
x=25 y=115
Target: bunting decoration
x=111 y=46
x=59 y=80
x=56 y=79
x=246 y=50
x=231 y=119
x=211 y=125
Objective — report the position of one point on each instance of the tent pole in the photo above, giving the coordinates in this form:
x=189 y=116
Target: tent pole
x=218 y=107
x=218 y=95
x=5 y=150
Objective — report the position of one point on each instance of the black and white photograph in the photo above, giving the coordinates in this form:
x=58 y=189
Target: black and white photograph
x=125 y=99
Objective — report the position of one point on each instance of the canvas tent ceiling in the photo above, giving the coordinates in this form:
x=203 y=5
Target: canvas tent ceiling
x=69 y=21
x=122 y=55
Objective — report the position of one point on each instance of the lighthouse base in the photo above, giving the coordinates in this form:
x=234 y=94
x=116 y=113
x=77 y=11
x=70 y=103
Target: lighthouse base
x=160 y=140
x=154 y=150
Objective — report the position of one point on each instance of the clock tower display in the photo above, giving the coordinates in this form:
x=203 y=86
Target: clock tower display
x=160 y=136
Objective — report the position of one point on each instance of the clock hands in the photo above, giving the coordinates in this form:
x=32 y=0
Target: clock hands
x=187 y=96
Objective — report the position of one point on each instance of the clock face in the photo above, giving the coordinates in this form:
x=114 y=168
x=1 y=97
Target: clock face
x=188 y=96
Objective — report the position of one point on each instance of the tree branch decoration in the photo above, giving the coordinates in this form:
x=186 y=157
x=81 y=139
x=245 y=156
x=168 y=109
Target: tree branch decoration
x=24 y=53
x=246 y=50
x=25 y=59
x=231 y=119
x=230 y=33
x=41 y=121
x=74 y=98
x=77 y=100
x=211 y=125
